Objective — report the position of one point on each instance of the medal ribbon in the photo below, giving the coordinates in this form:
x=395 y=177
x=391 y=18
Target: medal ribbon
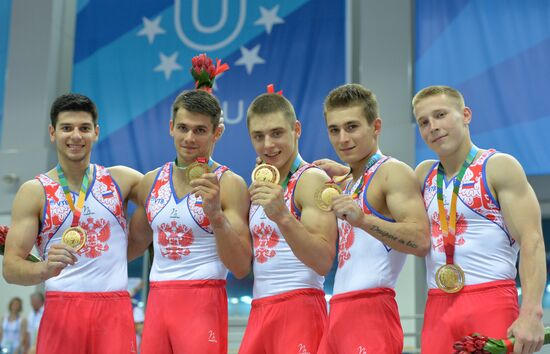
x=295 y=165
x=199 y=160
x=81 y=194
x=449 y=230
x=372 y=160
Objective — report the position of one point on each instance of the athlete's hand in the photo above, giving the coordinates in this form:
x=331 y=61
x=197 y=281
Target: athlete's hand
x=271 y=197
x=59 y=257
x=332 y=168
x=208 y=188
x=528 y=330
x=347 y=209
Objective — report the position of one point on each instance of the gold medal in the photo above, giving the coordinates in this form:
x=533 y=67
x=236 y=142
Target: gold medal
x=325 y=195
x=266 y=173
x=196 y=170
x=450 y=278
x=74 y=237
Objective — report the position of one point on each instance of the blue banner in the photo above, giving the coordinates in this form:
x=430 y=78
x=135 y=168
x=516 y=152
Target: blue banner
x=133 y=66
x=496 y=53
x=5 y=15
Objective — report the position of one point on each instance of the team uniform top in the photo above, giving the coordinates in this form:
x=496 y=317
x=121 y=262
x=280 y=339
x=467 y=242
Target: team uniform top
x=484 y=248
x=276 y=268
x=102 y=263
x=364 y=262
x=185 y=245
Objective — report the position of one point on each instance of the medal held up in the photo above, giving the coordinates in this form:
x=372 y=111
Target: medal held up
x=325 y=195
x=266 y=173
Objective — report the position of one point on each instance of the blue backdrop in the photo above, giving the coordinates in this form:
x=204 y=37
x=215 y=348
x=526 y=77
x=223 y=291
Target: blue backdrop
x=134 y=65
x=5 y=14
x=496 y=52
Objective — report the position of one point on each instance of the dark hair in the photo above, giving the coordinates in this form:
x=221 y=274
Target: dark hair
x=198 y=101
x=14 y=299
x=268 y=103
x=351 y=95
x=73 y=102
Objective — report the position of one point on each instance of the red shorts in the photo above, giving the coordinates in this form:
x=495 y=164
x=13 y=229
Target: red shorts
x=291 y=322
x=87 y=322
x=488 y=309
x=187 y=317
x=363 y=321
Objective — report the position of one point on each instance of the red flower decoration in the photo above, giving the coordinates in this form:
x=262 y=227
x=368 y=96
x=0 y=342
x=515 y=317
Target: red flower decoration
x=271 y=89
x=204 y=71
x=3 y=233
x=471 y=344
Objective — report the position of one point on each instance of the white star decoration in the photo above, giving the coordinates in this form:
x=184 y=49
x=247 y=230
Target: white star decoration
x=168 y=64
x=151 y=28
x=269 y=18
x=249 y=58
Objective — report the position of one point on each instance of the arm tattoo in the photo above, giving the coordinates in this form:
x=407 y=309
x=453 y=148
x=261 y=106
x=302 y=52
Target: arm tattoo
x=389 y=236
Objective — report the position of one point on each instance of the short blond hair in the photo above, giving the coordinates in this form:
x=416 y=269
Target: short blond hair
x=439 y=90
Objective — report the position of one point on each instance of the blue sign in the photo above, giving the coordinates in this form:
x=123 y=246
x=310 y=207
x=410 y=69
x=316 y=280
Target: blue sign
x=496 y=53
x=133 y=66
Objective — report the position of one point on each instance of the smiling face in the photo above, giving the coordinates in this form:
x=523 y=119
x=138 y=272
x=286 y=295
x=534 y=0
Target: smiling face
x=351 y=136
x=274 y=138
x=74 y=135
x=443 y=123
x=194 y=135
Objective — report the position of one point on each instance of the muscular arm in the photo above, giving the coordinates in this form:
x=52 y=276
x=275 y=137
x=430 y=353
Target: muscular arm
x=128 y=180
x=521 y=212
x=231 y=226
x=313 y=238
x=410 y=231
x=140 y=234
x=22 y=236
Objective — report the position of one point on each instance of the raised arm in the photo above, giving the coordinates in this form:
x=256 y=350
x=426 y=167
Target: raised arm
x=226 y=203
x=22 y=236
x=410 y=231
x=140 y=234
x=521 y=212
x=313 y=238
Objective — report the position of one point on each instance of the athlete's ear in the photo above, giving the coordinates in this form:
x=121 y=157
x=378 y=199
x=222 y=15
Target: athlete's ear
x=96 y=132
x=218 y=132
x=298 y=128
x=51 y=130
x=467 y=115
x=377 y=126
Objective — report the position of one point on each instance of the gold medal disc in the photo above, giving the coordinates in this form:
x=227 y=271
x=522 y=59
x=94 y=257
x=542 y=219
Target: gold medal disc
x=450 y=278
x=266 y=173
x=325 y=195
x=196 y=170
x=74 y=237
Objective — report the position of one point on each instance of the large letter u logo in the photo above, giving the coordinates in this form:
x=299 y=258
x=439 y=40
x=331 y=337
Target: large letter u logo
x=211 y=29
